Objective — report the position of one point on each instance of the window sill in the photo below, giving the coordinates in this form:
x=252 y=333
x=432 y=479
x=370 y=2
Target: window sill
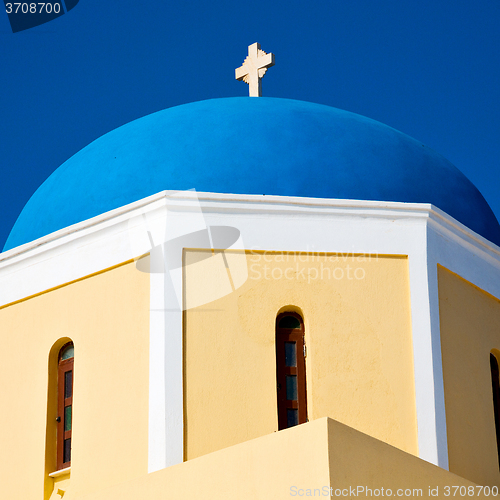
x=59 y=473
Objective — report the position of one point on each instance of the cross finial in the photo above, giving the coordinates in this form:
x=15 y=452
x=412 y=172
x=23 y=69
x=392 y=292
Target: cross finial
x=254 y=68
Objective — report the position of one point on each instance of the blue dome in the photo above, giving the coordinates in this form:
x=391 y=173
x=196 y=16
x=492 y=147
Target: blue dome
x=251 y=146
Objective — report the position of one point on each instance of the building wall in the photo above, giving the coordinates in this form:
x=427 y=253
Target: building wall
x=106 y=315
x=359 y=365
x=470 y=329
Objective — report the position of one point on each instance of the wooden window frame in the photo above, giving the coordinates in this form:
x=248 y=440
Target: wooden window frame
x=296 y=335
x=64 y=366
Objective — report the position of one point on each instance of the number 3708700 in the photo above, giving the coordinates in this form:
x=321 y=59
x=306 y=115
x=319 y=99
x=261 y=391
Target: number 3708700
x=33 y=8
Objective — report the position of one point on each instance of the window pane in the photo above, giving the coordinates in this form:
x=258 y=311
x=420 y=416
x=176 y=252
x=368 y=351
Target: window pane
x=292 y=417
x=289 y=322
x=67 y=418
x=67 y=450
x=68 y=352
x=291 y=387
x=290 y=354
x=68 y=384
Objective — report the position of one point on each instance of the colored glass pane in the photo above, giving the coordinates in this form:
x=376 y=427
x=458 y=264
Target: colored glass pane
x=292 y=417
x=67 y=418
x=289 y=322
x=68 y=352
x=67 y=451
x=290 y=354
x=291 y=388
x=68 y=384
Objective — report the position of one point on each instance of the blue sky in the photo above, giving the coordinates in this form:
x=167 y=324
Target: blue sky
x=429 y=69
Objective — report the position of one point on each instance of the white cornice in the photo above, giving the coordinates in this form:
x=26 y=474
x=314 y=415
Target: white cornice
x=234 y=204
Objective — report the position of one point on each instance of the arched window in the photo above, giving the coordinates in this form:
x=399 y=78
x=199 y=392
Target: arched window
x=495 y=381
x=64 y=404
x=290 y=370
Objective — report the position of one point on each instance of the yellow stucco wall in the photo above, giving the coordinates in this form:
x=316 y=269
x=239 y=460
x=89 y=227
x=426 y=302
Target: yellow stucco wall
x=107 y=317
x=305 y=461
x=359 y=365
x=470 y=329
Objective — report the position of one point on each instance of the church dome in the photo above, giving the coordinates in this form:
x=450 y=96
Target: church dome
x=251 y=146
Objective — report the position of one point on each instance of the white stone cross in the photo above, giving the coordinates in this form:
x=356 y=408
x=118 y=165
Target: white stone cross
x=254 y=68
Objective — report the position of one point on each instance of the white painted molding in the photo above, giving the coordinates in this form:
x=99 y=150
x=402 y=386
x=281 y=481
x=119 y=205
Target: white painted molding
x=239 y=204
x=59 y=473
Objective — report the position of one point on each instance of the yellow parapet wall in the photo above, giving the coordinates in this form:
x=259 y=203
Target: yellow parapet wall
x=359 y=365
x=319 y=459
x=470 y=330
